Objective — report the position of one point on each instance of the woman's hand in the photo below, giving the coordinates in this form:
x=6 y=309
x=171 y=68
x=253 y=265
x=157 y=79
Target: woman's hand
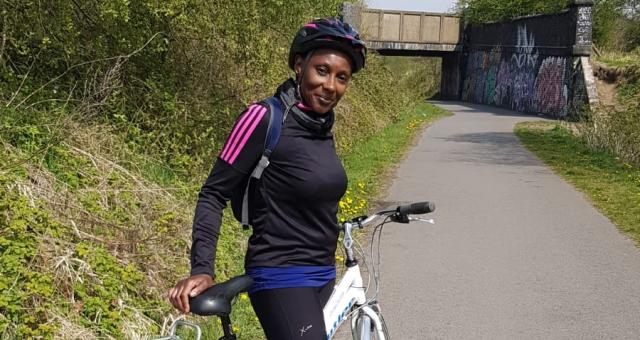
x=189 y=287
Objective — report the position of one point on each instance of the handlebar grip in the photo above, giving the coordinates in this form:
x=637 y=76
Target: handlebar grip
x=416 y=208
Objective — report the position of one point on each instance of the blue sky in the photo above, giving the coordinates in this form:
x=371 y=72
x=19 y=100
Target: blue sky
x=412 y=5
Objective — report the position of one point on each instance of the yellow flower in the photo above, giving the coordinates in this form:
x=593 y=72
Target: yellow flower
x=339 y=258
x=244 y=296
x=235 y=329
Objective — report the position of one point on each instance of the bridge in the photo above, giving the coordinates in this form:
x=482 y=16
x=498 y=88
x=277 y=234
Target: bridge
x=410 y=33
x=406 y=32
x=531 y=64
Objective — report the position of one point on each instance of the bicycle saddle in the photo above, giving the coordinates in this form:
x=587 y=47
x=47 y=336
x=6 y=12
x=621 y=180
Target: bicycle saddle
x=217 y=299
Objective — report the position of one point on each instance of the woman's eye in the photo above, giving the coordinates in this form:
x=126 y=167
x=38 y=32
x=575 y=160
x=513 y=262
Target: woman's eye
x=322 y=70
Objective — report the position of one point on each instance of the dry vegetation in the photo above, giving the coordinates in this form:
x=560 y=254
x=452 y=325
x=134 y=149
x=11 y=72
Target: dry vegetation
x=110 y=116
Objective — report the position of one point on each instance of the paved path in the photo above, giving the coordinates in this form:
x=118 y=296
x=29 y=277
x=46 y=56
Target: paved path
x=516 y=253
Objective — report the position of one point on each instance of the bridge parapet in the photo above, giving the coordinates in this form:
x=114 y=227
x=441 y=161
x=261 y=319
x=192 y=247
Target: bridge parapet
x=405 y=30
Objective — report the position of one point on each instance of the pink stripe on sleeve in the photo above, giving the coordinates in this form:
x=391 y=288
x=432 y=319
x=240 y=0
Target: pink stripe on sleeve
x=254 y=124
x=234 y=134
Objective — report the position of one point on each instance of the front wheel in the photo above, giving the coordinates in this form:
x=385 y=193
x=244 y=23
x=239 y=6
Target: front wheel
x=365 y=328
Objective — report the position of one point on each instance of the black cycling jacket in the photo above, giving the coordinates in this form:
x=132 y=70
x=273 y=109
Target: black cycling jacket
x=293 y=209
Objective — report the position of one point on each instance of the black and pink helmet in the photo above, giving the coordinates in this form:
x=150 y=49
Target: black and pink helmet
x=332 y=34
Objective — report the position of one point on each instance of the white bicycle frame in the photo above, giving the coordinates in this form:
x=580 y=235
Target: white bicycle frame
x=349 y=293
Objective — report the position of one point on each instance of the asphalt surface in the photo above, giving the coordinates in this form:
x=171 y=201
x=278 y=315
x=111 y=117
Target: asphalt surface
x=516 y=252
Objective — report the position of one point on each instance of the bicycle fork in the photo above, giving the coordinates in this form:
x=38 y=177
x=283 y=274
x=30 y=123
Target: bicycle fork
x=366 y=323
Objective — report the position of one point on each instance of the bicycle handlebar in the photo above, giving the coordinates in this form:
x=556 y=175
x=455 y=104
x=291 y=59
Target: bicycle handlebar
x=399 y=214
x=416 y=208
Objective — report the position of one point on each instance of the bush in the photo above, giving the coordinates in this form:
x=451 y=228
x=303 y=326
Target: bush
x=617 y=130
x=484 y=11
x=111 y=114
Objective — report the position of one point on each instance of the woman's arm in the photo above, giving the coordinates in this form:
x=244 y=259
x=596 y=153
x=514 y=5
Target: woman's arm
x=241 y=152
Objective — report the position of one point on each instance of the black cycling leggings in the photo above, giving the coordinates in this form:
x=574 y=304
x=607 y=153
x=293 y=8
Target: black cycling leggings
x=292 y=313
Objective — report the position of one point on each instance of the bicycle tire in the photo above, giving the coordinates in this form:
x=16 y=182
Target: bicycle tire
x=365 y=330
x=385 y=330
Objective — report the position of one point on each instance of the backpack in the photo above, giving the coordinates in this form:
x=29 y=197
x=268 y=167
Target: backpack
x=240 y=195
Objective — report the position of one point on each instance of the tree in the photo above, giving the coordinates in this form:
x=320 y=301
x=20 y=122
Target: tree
x=484 y=11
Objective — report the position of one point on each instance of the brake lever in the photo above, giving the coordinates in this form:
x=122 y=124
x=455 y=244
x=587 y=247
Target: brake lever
x=425 y=220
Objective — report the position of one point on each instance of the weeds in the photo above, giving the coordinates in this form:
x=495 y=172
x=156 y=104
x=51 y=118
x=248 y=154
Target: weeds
x=103 y=150
x=617 y=129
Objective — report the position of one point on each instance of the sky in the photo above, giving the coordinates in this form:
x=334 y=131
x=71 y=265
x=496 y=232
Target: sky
x=412 y=5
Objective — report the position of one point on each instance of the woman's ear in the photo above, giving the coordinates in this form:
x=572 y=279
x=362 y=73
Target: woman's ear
x=297 y=66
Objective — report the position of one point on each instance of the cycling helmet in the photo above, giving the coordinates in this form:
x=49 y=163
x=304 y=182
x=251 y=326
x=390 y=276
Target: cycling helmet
x=332 y=34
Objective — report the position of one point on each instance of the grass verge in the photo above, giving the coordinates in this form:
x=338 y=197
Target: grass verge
x=368 y=165
x=620 y=59
x=612 y=185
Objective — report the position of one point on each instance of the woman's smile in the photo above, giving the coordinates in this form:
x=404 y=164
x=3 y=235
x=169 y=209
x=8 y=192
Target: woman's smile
x=323 y=79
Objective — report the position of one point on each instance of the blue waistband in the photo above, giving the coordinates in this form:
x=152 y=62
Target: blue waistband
x=289 y=277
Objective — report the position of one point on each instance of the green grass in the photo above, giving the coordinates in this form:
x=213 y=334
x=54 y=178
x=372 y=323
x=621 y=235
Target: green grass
x=620 y=59
x=612 y=185
x=367 y=166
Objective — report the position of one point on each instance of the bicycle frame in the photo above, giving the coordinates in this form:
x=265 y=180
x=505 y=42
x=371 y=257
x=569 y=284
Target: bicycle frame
x=349 y=293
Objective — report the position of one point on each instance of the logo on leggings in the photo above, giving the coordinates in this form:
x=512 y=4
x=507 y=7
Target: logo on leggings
x=305 y=329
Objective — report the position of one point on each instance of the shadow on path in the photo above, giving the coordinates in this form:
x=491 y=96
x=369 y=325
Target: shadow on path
x=491 y=148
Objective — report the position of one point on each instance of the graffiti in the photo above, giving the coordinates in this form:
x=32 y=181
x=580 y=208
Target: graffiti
x=551 y=90
x=524 y=62
x=526 y=55
x=492 y=63
x=521 y=79
x=523 y=91
x=503 y=84
x=583 y=26
x=469 y=85
x=579 y=95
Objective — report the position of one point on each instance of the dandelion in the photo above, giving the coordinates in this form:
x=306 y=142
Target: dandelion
x=244 y=296
x=235 y=329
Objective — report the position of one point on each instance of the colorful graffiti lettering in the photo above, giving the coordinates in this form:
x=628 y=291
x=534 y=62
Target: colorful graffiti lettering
x=551 y=89
x=527 y=56
x=502 y=90
x=518 y=80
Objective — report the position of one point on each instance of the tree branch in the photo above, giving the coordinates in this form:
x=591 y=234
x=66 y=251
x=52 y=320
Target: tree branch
x=127 y=56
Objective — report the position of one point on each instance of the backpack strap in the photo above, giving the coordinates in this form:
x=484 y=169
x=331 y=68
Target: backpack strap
x=276 y=120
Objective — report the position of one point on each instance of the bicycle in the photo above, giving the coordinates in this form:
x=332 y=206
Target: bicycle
x=349 y=296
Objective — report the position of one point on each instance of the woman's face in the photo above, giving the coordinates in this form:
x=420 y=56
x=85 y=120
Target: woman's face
x=325 y=79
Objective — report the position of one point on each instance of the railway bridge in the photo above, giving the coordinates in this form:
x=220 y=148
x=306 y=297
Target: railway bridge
x=537 y=64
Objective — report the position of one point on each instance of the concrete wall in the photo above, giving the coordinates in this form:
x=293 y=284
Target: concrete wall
x=451 y=76
x=407 y=26
x=531 y=64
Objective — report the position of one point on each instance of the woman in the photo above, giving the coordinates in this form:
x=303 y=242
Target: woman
x=291 y=253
